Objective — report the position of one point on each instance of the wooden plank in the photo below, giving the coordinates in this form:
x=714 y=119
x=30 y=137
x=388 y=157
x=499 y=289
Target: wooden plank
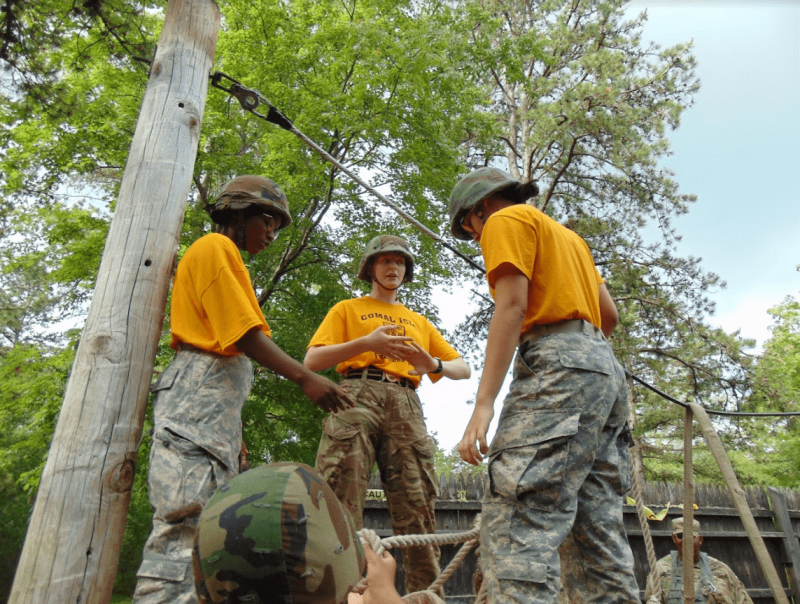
x=784 y=523
x=75 y=533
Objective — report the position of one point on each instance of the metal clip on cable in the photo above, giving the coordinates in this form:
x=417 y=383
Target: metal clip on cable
x=250 y=99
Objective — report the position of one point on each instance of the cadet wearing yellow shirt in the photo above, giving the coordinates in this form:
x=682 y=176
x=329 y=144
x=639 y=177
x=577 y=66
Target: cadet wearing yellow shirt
x=216 y=325
x=383 y=349
x=558 y=465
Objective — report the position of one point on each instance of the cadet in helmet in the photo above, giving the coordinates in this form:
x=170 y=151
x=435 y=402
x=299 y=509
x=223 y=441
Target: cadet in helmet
x=382 y=349
x=714 y=581
x=278 y=535
x=559 y=459
x=217 y=327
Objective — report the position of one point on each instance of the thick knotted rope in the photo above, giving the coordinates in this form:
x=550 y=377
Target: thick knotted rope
x=648 y=538
x=378 y=545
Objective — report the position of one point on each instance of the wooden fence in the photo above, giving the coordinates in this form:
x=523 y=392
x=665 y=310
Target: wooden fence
x=776 y=512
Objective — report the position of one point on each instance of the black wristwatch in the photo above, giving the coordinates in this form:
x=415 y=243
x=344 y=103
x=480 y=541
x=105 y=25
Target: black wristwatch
x=440 y=368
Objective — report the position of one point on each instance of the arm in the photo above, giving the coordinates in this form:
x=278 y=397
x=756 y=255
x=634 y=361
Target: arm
x=379 y=341
x=456 y=369
x=511 y=301
x=380 y=578
x=424 y=363
x=608 y=312
x=323 y=392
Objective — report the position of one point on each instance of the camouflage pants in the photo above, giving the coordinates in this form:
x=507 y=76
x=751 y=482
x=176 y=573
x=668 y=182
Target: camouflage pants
x=386 y=426
x=558 y=468
x=190 y=457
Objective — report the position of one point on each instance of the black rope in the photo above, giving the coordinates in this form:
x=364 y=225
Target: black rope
x=709 y=411
x=250 y=100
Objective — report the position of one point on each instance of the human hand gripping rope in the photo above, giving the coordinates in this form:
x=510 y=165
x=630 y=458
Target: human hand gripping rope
x=468 y=538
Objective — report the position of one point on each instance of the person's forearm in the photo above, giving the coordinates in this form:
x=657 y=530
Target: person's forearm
x=511 y=302
x=609 y=315
x=501 y=344
x=456 y=369
x=259 y=347
x=324 y=357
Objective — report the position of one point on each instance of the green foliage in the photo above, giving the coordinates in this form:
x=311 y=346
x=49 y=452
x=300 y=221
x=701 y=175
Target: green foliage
x=402 y=93
x=32 y=382
x=775 y=442
x=450 y=463
x=583 y=107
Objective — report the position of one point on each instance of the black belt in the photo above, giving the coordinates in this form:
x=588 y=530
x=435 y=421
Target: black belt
x=373 y=373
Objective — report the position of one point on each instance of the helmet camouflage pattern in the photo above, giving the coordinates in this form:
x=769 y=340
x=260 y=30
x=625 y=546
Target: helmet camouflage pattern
x=474 y=187
x=276 y=534
x=255 y=194
x=386 y=244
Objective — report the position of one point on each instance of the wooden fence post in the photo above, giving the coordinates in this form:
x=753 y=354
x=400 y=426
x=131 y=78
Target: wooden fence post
x=784 y=524
x=75 y=533
x=737 y=494
x=688 y=508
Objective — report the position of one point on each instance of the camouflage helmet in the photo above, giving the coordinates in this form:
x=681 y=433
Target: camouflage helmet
x=473 y=188
x=677 y=526
x=276 y=534
x=386 y=244
x=255 y=195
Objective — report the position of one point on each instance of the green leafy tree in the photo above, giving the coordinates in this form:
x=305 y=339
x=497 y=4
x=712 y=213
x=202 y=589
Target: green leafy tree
x=583 y=107
x=44 y=284
x=381 y=86
x=775 y=441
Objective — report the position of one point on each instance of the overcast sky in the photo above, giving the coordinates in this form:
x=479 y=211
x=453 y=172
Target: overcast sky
x=737 y=149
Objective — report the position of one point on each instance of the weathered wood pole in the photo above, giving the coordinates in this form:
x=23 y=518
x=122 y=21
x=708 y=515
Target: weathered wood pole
x=71 y=550
x=737 y=495
x=688 y=508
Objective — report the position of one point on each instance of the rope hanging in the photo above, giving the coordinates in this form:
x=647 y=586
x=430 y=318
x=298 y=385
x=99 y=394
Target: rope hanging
x=648 y=538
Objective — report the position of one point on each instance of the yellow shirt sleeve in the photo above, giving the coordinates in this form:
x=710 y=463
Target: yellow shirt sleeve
x=562 y=279
x=351 y=319
x=213 y=302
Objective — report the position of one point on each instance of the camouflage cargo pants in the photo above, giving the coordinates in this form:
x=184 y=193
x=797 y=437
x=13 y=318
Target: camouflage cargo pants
x=558 y=468
x=188 y=461
x=386 y=426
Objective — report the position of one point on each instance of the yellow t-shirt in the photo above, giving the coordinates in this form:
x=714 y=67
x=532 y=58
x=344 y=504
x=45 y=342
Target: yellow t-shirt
x=351 y=319
x=213 y=302
x=563 y=281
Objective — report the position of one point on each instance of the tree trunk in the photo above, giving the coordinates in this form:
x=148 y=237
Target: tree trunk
x=72 y=546
x=637 y=461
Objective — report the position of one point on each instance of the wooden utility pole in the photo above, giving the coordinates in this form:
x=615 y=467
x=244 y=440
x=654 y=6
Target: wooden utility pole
x=73 y=542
